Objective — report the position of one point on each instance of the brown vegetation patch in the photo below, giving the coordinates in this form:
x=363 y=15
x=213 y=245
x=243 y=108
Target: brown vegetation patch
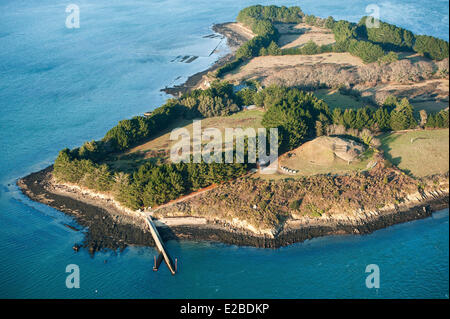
x=264 y=203
x=292 y=35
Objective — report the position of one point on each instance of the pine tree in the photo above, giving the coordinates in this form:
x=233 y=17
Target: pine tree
x=402 y=117
x=382 y=118
x=338 y=117
x=273 y=49
x=263 y=52
x=349 y=118
x=362 y=119
x=430 y=121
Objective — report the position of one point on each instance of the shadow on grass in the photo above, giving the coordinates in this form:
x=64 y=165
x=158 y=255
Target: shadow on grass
x=390 y=138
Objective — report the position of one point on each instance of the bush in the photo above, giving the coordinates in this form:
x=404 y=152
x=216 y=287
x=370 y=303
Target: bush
x=295 y=205
x=389 y=57
x=367 y=51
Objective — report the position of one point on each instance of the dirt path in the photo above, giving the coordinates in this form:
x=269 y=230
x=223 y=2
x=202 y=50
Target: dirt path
x=191 y=195
x=185 y=197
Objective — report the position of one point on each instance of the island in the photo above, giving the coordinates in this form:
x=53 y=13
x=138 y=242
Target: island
x=363 y=141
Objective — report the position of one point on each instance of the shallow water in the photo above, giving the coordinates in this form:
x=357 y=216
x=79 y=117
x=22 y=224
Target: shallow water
x=61 y=87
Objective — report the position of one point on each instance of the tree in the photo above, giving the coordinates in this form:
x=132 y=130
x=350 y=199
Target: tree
x=310 y=48
x=438 y=120
x=322 y=123
x=389 y=35
x=294 y=113
x=263 y=52
x=402 y=117
x=423 y=118
x=273 y=49
x=430 y=121
x=432 y=47
x=390 y=102
x=349 y=118
x=367 y=51
x=343 y=30
x=338 y=117
x=382 y=119
x=246 y=96
x=363 y=119
x=329 y=23
x=389 y=57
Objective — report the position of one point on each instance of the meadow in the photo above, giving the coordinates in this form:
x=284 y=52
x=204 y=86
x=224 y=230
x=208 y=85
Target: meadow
x=419 y=153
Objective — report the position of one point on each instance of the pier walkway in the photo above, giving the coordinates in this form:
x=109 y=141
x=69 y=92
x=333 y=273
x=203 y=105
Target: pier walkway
x=161 y=247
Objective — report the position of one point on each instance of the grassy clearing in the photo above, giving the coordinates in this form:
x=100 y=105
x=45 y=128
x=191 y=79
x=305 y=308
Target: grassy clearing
x=314 y=158
x=157 y=149
x=420 y=153
x=429 y=106
x=292 y=35
x=335 y=99
x=244 y=119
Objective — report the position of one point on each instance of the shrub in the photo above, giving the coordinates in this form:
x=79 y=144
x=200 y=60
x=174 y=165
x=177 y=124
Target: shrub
x=389 y=57
x=295 y=204
x=367 y=51
x=310 y=48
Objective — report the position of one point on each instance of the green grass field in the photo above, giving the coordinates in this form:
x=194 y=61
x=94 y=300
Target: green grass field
x=317 y=157
x=156 y=149
x=419 y=153
x=335 y=99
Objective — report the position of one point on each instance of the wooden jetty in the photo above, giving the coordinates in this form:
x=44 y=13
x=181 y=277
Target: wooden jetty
x=163 y=254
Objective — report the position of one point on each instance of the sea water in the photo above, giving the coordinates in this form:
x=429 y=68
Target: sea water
x=60 y=87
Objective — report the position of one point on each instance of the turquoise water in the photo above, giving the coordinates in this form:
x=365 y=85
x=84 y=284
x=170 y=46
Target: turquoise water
x=61 y=87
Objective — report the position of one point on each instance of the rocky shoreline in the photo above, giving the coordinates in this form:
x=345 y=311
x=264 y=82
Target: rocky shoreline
x=234 y=40
x=107 y=227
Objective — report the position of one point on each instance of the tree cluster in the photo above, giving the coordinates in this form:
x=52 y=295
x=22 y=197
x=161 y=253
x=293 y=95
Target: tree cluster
x=217 y=100
x=149 y=185
x=272 y=13
x=393 y=115
x=295 y=113
x=438 y=120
